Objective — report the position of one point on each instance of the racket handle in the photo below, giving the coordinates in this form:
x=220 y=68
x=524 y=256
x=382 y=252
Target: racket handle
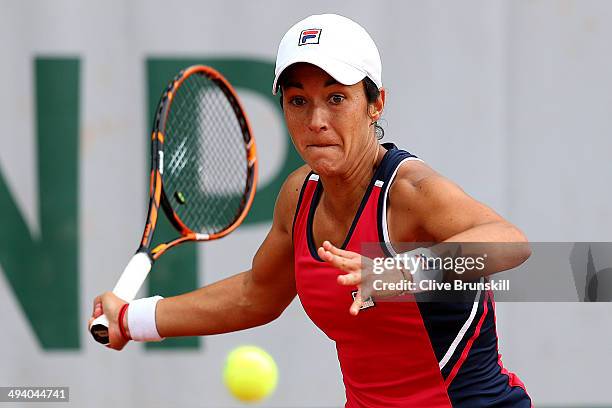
x=127 y=287
x=99 y=330
x=133 y=276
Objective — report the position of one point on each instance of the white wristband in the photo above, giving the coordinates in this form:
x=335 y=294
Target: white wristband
x=141 y=319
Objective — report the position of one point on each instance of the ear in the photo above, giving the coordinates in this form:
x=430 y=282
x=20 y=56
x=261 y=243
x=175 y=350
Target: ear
x=375 y=109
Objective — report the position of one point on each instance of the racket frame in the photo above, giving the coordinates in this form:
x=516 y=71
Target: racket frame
x=157 y=195
x=140 y=264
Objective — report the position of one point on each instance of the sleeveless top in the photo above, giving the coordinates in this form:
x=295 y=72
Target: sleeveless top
x=405 y=353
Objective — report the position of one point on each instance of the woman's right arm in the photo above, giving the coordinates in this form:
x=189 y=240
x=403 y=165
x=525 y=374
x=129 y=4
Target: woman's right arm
x=244 y=300
x=247 y=299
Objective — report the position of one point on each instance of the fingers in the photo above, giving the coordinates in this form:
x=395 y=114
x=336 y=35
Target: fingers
x=113 y=304
x=350 y=279
x=98 y=311
x=328 y=246
x=325 y=255
x=97 y=303
x=356 y=305
x=345 y=260
x=117 y=345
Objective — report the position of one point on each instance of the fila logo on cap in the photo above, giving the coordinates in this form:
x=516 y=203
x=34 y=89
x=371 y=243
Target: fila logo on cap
x=310 y=36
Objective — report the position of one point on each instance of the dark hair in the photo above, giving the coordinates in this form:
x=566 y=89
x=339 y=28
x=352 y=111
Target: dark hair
x=371 y=92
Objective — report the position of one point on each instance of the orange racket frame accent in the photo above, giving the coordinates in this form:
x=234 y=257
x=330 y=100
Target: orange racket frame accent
x=156 y=190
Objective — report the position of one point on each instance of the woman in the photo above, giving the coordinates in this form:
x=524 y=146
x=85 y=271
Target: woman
x=352 y=191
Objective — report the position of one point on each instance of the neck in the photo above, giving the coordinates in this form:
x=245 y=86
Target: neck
x=343 y=193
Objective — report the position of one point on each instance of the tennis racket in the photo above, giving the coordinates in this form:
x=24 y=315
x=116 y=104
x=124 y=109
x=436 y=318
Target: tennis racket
x=203 y=172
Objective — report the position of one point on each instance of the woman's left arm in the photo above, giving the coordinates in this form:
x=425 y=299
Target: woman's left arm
x=426 y=207
x=446 y=214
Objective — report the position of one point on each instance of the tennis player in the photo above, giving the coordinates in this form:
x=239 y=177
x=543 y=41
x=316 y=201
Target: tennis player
x=352 y=190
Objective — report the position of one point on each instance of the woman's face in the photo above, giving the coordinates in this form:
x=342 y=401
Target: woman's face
x=329 y=123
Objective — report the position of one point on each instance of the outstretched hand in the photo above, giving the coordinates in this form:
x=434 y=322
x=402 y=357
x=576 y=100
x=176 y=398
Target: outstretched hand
x=358 y=272
x=349 y=262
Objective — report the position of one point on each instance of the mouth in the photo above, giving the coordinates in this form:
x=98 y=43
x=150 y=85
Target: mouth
x=321 y=145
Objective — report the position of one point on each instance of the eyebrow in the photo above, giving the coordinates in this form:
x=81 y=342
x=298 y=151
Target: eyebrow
x=292 y=84
x=295 y=84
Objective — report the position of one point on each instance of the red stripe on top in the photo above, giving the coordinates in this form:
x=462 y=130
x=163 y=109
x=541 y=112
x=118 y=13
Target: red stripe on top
x=468 y=346
x=311 y=32
x=513 y=379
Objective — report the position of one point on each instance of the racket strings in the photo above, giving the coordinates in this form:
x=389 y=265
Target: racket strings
x=205 y=175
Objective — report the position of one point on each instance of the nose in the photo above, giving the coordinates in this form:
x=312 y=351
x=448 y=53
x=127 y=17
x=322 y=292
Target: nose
x=317 y=122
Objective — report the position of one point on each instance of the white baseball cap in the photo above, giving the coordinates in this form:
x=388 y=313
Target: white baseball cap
x=334 y=43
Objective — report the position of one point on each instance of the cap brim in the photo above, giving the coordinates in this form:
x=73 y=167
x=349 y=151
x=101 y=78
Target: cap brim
x=342 y=72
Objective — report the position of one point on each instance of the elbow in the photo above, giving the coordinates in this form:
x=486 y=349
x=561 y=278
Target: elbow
x=260 y=313
x=273 y=315
x=523 y=248
x=274 y=310
x=263 y=317
x=524 y=253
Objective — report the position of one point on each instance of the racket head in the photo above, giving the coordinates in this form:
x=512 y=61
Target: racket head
x=203 y=159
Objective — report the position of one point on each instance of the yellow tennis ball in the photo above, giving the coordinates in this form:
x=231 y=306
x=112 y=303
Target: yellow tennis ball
x=250 y=373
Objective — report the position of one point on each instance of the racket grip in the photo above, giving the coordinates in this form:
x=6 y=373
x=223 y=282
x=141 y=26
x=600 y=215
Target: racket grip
x=127 y=287
x=133 y=276
x=99 y=330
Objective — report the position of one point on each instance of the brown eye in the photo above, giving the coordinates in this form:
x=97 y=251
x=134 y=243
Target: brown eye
x=297 y=101
x=336 y=99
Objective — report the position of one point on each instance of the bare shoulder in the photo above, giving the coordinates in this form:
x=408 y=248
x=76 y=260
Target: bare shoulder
x=417 y=180
x=424 y=201
x=425 y=191
x=287 y=199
